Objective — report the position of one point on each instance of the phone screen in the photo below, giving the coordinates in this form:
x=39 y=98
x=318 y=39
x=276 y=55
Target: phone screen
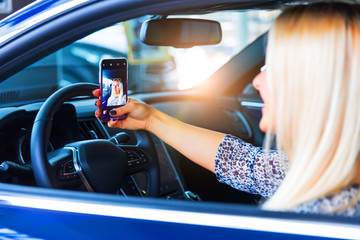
x=113 y=85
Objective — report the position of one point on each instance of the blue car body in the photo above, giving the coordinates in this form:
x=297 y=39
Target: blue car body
x=38 y=213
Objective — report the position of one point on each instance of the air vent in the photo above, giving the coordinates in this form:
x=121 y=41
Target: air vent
x=91 y=129
x=9 y=95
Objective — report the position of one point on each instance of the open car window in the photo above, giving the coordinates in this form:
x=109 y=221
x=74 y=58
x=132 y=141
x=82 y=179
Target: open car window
x=150 y=68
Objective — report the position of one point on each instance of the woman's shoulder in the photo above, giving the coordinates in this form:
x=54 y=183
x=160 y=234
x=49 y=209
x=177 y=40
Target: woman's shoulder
x=344 y=203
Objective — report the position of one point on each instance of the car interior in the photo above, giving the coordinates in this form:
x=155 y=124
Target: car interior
x=225 y=101
x=64 y=174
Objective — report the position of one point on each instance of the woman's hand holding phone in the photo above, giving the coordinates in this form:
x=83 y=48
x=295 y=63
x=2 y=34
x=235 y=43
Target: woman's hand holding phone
x=138 y=114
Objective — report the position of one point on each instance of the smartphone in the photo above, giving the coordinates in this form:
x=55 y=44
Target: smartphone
x=113 y=83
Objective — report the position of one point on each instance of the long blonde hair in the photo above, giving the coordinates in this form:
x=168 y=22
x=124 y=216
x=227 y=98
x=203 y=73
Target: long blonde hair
x=313 y=73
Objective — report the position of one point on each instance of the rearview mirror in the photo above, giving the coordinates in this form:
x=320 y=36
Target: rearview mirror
x=180 y=32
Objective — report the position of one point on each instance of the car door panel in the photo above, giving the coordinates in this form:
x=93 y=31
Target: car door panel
x=26 y=211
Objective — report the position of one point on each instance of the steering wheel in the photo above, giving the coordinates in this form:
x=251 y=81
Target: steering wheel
x=99 y=164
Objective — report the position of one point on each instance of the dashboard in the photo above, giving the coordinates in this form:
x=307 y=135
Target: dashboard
x=74 y=121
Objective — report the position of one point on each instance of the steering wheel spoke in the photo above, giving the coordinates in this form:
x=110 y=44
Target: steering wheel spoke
x=62 y=170
x=137 y=160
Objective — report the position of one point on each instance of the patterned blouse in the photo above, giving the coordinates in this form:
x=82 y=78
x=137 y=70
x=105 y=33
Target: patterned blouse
x=243 y=166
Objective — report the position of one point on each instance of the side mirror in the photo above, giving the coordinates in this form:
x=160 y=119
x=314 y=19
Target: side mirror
x=180 y=32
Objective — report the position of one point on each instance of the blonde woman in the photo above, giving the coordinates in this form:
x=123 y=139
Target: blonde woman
x=311 y=91
x=117 y=96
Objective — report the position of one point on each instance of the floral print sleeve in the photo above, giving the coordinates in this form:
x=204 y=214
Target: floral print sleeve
x=245 y=167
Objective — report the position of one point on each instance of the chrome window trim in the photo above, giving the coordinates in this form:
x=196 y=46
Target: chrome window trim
x=255 y=223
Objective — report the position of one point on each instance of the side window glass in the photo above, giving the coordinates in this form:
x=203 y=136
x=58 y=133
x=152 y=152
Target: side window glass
x=150 y=68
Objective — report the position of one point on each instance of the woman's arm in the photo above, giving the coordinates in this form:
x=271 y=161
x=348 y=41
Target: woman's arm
x=235 y=162
x=198 y=144
x=248 y=168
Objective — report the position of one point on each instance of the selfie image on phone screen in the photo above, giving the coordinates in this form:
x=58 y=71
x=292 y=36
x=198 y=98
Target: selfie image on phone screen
x=113 y=84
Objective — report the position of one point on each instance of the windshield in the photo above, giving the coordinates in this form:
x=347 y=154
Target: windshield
x=149 y=68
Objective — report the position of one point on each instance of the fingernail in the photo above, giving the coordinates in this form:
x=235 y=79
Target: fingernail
x=114 y=119
x=112 y=112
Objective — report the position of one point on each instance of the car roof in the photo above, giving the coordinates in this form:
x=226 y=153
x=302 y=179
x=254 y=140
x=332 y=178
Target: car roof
x=35 y=14
x=41 y=11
